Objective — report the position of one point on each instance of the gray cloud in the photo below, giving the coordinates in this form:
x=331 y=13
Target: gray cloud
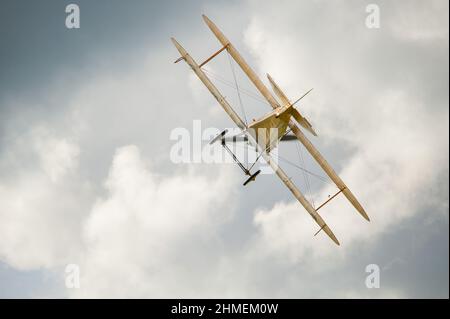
x=84 y=167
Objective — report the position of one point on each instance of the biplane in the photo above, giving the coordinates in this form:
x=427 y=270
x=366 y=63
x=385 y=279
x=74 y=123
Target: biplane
x=283 y=118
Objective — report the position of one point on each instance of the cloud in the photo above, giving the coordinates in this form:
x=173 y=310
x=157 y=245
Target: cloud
x=90 y=182
x=399 y=140
x=58 y=156
x=400 y=145
x=150 y=233
x=42 y=203
x=53 y=208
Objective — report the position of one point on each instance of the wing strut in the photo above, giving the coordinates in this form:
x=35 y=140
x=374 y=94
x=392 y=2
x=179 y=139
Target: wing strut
x=329 y=199
x=212 y=56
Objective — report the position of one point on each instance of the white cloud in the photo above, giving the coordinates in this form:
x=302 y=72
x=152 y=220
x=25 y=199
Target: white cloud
x=400 y=146
x=148 y=231
x=58 y=156
x=42 y=204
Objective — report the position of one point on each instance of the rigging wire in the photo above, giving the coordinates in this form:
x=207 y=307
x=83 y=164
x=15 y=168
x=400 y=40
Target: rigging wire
x=230 y=84
x=268 y=146
x=237 y=89
x=306 y=177
x=319 y=177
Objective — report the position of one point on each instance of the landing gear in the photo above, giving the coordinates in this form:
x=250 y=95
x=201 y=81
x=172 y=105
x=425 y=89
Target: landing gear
x=252 y=177
x=246 y=171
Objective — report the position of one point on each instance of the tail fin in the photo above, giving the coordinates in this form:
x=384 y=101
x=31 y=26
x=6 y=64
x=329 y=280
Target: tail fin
x=296 y=114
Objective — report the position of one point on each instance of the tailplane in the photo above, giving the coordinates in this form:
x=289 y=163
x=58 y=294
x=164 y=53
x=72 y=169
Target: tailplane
x=302 y=121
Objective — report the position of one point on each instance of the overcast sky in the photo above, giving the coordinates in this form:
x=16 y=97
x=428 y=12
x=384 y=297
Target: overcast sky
x=86 y=176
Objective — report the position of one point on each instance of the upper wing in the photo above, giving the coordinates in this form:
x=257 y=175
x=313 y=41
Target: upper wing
x=242 y=64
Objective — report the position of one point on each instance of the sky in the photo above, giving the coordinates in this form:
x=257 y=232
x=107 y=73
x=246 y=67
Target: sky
x=87 y=118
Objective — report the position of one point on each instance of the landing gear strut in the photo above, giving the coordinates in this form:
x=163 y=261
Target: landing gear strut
x=246 y=171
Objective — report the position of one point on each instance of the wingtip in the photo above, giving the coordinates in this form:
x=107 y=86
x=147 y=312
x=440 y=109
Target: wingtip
x=364 y=214
x=179 y=48
x=175 y=43
x=330 y=234
x=205 y=18
x=335 y=240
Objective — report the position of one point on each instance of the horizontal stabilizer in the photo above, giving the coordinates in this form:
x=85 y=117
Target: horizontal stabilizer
x=303 y=121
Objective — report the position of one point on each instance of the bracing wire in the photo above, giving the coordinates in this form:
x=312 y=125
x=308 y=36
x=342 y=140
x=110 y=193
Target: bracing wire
x=230 y=84
x=237 y=89
x=319 y=177
x=268 y=147
x=305 y=176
